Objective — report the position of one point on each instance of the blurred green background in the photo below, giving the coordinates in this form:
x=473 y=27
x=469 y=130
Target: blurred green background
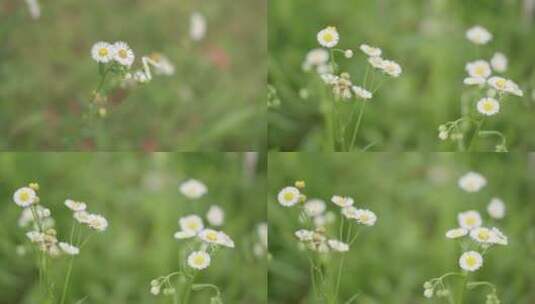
x=427 y=38
x=138 y=194
x=213 y=102
x=416 y=199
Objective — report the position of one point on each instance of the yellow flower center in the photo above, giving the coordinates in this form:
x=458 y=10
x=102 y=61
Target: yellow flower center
x=483 y=235
x=328 y=37
x=211 y=236
x=488 y=106
x=192 y=225
x=24 y=196
x=471 y=261
x=123 y=53
x=471 y=221
x=480 y=70
x=198 y=260
x=501 y=83
x=364 y=217
x=288 y=196
x=103 y=52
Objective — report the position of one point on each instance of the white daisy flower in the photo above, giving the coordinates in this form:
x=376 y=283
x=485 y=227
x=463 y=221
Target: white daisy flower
x=314 y=207
x=472 y=182
x=471 y=261
x=75 y=206
x=27 y=215
x=478 y=35
x=210 y=236
x=370 y=50
x=496 y=208
x=478 y=69
x=191 y=224
x=348 y=54
x=199 y=260
x=193 y=189
x=513 y=88
x=391 y=68
x=328 y=37
x=505 y=85
x=350 y=212
x=342 y=201
x=361 y=92
x=81 y=217
x=366 y=217
x=197 y=26
x=304 y=235
x=97 y=222
x=123 y=54
x=500 y=238
x=488 y=106
x=289 y=196
x=474 y=81
x=102 y=52
x=483 y=235
x=456 y=233
x=180 y=235
x=338 y=245
x=469 y=219
x=225 y=240
x=215 y=215
x=499 y=62
x=376 y=62
x=316 y=57
x=25 y=197
x=69 y=249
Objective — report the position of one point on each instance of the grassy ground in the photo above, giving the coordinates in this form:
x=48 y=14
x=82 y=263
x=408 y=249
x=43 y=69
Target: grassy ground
x=427 y=39
x=139 y=195
x=212 y=102
x=416 y=199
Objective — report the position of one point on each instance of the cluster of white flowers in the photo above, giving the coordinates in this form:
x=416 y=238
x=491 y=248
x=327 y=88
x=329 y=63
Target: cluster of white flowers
x=204 y=242
x=480 y=74
x=43 y=234
x=119 y=52
x=315 y=214
x=475 y=238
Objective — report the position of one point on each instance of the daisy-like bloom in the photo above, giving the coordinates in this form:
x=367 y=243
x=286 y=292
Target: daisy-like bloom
x=366 y=217
x=505 y=85
x=314 y=207
x=376 y=62
x=474 y=81
x=225 y=240
x=25 y=197
x=499 y=62
x=199 y=260
x=304 y=235
x=163 y=66
x=81 y=217
x=102 y=52
x=210 y=236
x=197 y=26
x=488 y=106
x=348 y=54
x=350 y=212
x=370 y=50
x=328 y=37
x=456 y=233
x=513 y=88
x=69 y=249
x=342 y=86
x=478 y=69
x=472 y=182
x=97 y=222
x=391 y=68
x=193 y=189
x=471 y=261
x=483 y=235
x=75 y=206
x=342 y=201
x=123 y=54
x=190 y=226
x=478 y=35
x=361 y=92
x=496 y=208
x=469 y=219
x=215 y=215
x=499 y=237
x=315 y=57
x=337 y=245
x=289 y=196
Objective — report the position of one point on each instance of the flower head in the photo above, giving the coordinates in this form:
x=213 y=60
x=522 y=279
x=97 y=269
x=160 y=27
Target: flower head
x=488 y=106
x=210 y=236
x=338 y=245
x=370 y=50
x=474 y=81
x=342 y=201
x=304 y=235
x=328 y=37
x=289 y=196
x=191 y=224
x=471 y=261
x=193 y=189
x=376 y=62
x=456 y=233
x=472 y=182
x=361 y=92
x=97 y=222
x=25 y=197
x=314 y=207
x=366 y=217
x=197 y=27
x=123 y=54
x=199 y=260
x=483 y=235
x=478 y=69
x=391 y=68
x=102 y=52
x=75 y=206
x=478 y=35
x=215 y=215
x=469 y=219
x=496 y=208
x=499 y=62
x=68 y=248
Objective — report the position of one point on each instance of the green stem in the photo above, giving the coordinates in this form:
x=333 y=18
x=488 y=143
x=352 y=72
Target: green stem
x=478 y=127
x=357 y=126
x=462 y=290
x=67 y=281
x=338 y=279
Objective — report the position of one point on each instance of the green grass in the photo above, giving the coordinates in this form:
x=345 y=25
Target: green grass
x=139 y=195
x=211 y=103
x=416 y=199
x=427 y=39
